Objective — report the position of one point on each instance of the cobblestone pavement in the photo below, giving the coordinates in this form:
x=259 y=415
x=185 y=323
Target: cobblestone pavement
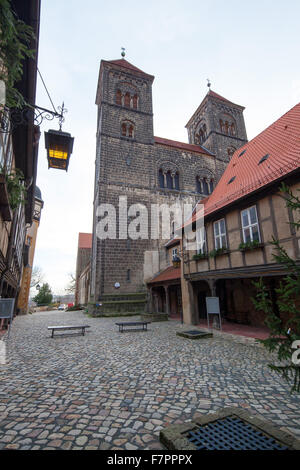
x=111 y=390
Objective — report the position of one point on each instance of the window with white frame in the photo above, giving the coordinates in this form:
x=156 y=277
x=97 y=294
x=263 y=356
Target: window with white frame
x=250 y=225
x=174 y=253
x=201 y=240
x=220 y=234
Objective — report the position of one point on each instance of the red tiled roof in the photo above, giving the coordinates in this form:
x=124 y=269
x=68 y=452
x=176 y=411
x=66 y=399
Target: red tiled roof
x=127 y=65
x=182 y=145
x=85 y=240
x=168 y=274
x=281 y=141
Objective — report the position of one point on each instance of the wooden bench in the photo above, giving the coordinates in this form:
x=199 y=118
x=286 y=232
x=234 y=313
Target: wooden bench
x=68 y=327
x=142 y=324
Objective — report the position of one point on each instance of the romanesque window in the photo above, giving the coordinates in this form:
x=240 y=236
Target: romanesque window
x=119 y=97
x=128 y=275
x=250 y=225
x=135 y=101
x=130 y=131
x=220 y=234
x=228 y=126
x=176 y=180
x=127 y=129
x=200 y=134
x=204 y=185
x=124 y=130
x=161 y=179
x=230 y=151
x=198 y=185
x=127 y=99
x=168 y=179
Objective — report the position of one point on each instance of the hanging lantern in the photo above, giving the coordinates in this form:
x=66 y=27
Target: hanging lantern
x=176 y=261
x=59 y=147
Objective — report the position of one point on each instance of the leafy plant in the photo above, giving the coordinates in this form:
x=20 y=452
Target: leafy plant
x=219 y=251
x=15 y=188
x=283 y=332
x=199 y=256
x=15 y=37
x=249 y=245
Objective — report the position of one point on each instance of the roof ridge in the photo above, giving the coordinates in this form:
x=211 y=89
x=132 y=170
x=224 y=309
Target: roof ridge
x=196 y=147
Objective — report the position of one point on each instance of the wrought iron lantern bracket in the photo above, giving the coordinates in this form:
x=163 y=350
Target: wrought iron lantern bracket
x=10 y=118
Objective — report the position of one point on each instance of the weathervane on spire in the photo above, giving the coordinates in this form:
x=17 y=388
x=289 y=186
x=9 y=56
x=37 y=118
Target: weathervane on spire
x=208 y=83
x=123 y=52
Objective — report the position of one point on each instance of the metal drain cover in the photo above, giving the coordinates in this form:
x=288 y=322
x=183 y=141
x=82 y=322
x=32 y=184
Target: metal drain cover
x=194 y=334
x=229 y=428
x=232 y=433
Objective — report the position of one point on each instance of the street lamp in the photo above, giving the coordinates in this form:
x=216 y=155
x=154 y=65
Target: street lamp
x=59 y=147
x=176 y=261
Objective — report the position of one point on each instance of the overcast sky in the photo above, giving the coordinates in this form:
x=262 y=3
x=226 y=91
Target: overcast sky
x=249 y=51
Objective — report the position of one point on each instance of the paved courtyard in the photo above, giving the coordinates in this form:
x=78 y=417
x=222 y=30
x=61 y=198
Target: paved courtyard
x=111 y=390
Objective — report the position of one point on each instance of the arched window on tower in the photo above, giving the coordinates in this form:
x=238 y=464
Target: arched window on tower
x=198 y=185
x=127 y=100
x=119 y=97
x=230 y=151
x=176 y=180
x=124 y=129
x=169 y=180
x=211 y=185
x=221 y=125
x=135 y=101
x=161 y=179
x=205 y=187
x=130 y=131
x=232 y=129
x=127 y=129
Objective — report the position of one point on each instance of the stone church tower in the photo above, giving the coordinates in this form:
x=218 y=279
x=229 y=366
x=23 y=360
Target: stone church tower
x=218 y=125
x=132 y=163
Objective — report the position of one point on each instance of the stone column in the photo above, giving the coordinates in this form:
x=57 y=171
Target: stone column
x=167 y=300
x=212 y=284
x=165 y=180
x=150 y=300
x=188 y=302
